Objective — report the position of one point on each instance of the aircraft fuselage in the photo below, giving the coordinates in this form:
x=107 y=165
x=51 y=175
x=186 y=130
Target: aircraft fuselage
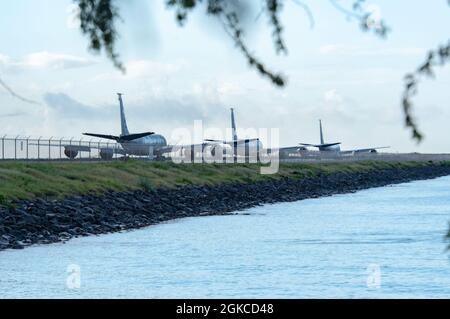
x=144 y=146
x=331 y=148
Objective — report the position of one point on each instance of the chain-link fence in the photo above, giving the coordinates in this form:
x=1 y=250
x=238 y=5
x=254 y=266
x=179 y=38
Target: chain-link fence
x=32 y=148
x=59 y=149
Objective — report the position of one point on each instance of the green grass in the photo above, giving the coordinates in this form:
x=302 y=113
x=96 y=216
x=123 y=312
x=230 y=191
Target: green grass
x=20 y=180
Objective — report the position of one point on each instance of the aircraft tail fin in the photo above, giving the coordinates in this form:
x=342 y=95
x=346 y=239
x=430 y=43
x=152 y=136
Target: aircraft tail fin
x=321 y=132
x=123 y=121
x=233 y=126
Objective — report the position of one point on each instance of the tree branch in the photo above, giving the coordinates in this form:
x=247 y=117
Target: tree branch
x=14 y=94
x=437 y=57
x=359 y=13
x=97 y=21
x=230 y=21
x=307 y=11
x=231 y=25
x=273 y=9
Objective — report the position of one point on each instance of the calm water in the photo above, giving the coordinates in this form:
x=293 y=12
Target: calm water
x=328 y=247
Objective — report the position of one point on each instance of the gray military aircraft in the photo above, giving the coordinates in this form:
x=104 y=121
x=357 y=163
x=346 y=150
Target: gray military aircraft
x=238 y=146
x=140 y=144
x=336 y=147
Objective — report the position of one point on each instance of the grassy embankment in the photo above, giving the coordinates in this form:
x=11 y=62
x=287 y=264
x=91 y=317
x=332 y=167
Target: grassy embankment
x=19 y=180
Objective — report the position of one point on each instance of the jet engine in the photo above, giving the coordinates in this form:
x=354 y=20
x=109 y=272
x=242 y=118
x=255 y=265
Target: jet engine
x=186 y=153
x=106 y=154
x=70 y=153
x=217 y=150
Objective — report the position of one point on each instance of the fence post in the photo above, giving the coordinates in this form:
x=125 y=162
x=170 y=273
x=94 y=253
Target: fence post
x=15 y=147
x=39 y=147
x=79 y=143
x=71 y=145
x=60 y=147
x=90 y=148
x=49 y=148
x=28 y=138
x=3 y=146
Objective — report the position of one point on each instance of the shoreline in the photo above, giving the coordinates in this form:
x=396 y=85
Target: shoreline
x=44 y=221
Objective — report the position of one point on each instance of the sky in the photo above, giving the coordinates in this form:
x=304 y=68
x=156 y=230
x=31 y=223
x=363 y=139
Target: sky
x=352 y=80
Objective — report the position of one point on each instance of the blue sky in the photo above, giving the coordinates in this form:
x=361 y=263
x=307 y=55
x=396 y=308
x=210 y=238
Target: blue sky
x=350 y=79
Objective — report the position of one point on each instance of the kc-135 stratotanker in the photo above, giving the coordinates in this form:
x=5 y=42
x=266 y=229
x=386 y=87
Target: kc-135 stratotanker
x=154 y=146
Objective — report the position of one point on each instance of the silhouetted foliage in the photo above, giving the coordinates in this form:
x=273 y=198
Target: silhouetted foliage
x=226 y=12
x=440 y=56
x=98 y=19
x=365 y=19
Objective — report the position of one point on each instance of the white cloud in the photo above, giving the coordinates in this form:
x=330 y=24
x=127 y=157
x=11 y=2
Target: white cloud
x=366 y=51
x=332 y=96
x=4 y=59
x=227 y=88
x=142 y=69
x=328 y=48
x=44 y=61
x=215 y=89
x=147 y=68
x=339 y=107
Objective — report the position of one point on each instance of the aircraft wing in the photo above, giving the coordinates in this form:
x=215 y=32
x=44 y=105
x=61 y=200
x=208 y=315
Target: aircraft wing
x=242 y=141
x=108 y=137
x=126 y=138
x=363 y=150
x=320 y=145
x=131 y=137
x=287 y=149
x=175 y=147
x=306 y=144
x=216 y=141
